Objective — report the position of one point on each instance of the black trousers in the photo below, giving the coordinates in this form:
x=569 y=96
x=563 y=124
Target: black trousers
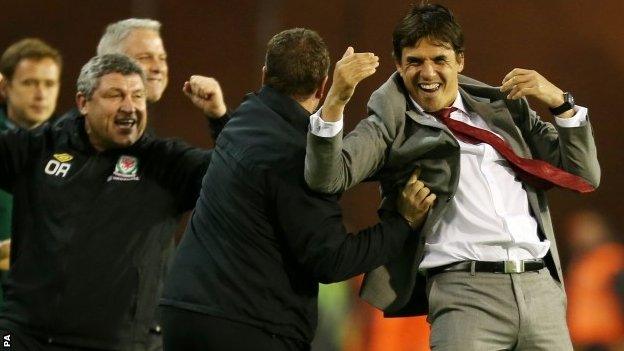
x=185 y=330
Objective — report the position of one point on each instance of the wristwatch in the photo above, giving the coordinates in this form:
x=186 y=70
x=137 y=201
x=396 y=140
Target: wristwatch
x=568 y=104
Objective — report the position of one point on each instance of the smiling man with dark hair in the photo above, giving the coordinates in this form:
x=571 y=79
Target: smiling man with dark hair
x=484 y=265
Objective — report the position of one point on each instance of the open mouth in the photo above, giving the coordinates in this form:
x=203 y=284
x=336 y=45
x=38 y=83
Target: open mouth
x=429 y=87
x=125 y=122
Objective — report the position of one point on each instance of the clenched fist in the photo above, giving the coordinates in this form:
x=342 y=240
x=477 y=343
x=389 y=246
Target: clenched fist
x=206 y=94
x=415 y=201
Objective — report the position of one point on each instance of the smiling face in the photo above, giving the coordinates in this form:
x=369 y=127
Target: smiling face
x=115 y=116
x=430 y=71
x=146 y=47
x=32 y=92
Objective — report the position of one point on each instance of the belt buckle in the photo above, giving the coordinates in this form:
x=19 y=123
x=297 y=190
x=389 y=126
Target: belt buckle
x=515 y=266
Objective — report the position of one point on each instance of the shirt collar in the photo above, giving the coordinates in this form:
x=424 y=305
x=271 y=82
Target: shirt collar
x=458 y=104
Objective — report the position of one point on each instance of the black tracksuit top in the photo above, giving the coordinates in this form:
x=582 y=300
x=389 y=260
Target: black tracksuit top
x=89 y=231
x=259 y=240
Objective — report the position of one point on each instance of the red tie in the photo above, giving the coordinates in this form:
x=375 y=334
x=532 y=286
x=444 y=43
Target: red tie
x=537 y=172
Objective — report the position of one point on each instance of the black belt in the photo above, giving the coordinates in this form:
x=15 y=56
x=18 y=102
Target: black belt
x=508 y=267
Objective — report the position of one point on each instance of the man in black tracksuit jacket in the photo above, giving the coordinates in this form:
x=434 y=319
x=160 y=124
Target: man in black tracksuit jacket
x=247 y=270
x=90 y=223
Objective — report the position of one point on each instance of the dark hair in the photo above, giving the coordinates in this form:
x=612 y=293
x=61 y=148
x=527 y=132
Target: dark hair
x=431 y=21
x=29 y=48
x=98 y=66
x=297 y=61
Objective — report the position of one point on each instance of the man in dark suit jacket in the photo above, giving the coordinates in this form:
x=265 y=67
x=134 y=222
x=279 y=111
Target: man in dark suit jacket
x=487 y=250
x=247 y=271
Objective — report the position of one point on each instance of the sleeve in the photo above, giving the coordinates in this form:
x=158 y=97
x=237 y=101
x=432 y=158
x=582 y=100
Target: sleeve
x=311 y=225
x=334 y=165
x=570 y=148
x=325 y=129
x=217 y=125
x=15 y=149
x=181 y=168
x=579 y=118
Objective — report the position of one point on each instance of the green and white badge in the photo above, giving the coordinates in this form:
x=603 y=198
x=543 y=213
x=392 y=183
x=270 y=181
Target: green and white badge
x=125 y=169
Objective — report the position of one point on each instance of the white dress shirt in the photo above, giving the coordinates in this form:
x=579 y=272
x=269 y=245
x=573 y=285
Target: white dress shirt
x=488 y=219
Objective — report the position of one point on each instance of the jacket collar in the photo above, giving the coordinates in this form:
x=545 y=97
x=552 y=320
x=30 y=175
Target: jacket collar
x=289 y=109
x=496 y=115
x=477 y=97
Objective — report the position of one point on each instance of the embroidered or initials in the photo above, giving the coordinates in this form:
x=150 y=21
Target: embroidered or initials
x=57 y=169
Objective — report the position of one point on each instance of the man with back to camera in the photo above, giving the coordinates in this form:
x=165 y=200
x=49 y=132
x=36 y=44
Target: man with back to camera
x=95 y=200
x=247 y=270
x=32 y=71
x=487 y=250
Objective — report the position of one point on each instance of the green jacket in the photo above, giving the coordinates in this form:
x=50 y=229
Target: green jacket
x=6 y=199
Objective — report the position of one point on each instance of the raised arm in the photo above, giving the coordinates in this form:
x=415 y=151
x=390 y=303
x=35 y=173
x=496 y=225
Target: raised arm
x=180 y=168
x=332 y=166
x=569 y=142
x=206 y=94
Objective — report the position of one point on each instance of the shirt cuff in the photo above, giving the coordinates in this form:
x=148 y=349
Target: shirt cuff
x=324 y=129
x=579 y=118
